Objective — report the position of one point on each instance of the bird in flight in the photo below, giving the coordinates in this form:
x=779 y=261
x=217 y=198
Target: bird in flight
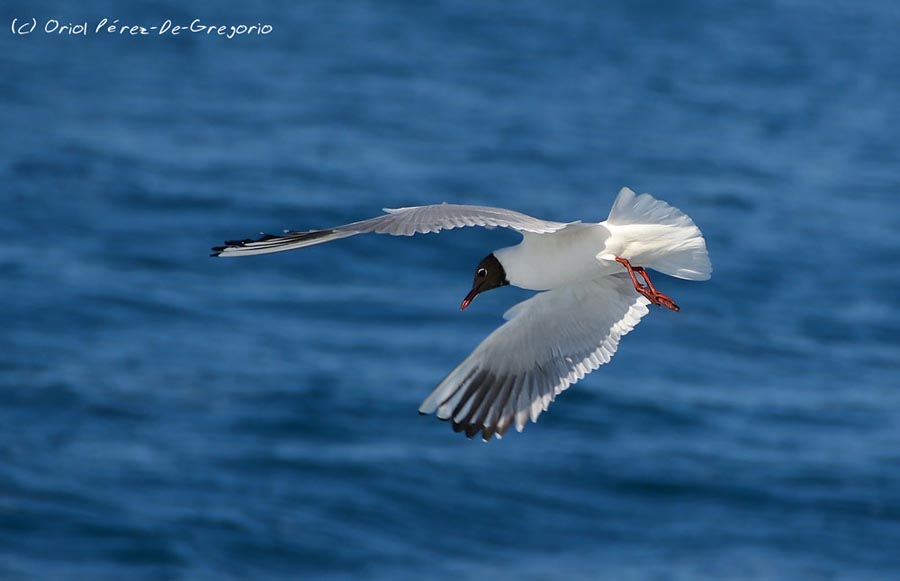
x=595 y=289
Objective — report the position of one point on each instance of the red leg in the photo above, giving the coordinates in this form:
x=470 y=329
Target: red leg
x=648 y=290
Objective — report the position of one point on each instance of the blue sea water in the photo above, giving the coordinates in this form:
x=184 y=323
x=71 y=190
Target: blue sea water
x=168 y=415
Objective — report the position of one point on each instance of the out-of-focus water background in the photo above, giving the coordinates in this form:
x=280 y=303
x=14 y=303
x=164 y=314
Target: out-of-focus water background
x=164 y=414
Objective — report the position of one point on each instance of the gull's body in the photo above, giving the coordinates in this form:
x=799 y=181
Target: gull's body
x=553 y=339
x=534 y=263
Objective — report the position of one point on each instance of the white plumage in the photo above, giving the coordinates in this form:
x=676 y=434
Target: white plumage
x=556 y=337
x=550 y=341
x=396 y=222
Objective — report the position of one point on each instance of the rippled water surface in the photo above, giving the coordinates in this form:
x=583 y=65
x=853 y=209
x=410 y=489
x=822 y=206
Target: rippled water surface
x=164 y=414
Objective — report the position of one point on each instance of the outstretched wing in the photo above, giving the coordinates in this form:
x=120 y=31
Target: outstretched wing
x=550 y=342
x=397 y=222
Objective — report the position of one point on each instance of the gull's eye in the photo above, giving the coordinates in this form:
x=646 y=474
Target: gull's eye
x=481 y=272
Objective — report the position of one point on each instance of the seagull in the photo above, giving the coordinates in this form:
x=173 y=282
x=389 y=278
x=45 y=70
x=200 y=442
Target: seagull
x=594 y=288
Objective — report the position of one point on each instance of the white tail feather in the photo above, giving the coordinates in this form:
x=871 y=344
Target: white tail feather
x=654 y=234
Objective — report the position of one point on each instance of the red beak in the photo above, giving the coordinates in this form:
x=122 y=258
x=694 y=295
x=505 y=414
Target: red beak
x=469 y=298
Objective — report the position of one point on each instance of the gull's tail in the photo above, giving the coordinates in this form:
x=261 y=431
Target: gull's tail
x=651 y=233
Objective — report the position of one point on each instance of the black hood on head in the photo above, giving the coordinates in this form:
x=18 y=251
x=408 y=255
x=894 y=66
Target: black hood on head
x=494 y=276
x=489 y=274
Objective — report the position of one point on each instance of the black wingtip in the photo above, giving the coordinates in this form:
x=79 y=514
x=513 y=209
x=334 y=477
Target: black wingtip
x=218 y=250
x=275 y=241
x=470 y=430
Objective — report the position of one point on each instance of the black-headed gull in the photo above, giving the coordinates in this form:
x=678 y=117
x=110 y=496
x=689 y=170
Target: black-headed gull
x=592 y=297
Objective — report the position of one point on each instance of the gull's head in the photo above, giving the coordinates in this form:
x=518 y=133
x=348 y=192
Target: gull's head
x=488 y=275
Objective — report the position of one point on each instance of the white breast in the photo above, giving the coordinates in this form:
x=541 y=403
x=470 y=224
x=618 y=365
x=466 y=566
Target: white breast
x=546 y=261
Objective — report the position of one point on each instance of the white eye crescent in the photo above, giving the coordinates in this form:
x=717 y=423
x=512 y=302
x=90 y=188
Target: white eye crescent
x=481 y=272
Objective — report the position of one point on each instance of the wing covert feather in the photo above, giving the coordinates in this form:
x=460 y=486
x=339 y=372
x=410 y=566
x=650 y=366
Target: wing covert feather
x=550 y=341
x=396 y=222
